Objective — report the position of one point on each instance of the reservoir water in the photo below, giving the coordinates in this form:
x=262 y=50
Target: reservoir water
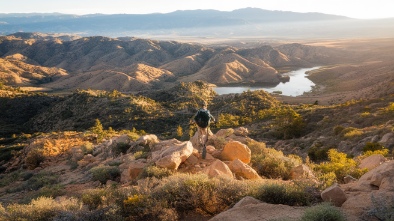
x=297 y=85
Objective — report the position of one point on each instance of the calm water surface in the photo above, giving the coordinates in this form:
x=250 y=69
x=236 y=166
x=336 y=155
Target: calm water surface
x=297 y=85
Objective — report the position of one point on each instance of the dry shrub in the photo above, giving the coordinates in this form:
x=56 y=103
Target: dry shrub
x=34 y=158
x=274 y=164
x=104 y=173
x=199 y=193
x=339 y=164
x=154 y=171
x=324 y=212
x=293 y=194
x=42 y=208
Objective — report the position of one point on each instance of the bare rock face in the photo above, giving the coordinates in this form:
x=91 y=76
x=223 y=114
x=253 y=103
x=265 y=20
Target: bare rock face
x=246 y=201
x=242 y=170
x=334 y=194
x=372 y=161
x=253 y=211
x=218 y=168
x=373 y=190
x=173 y=154
x=236 y=150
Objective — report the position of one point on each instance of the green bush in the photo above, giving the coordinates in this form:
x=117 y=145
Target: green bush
x=338 y=129
x=87 y=148
x=256 y=148
x=324 y=212
x=51 y=191
x=198 y=192
x=274 y=164
x=153 y=171
x=104 y=173
x=289 y=194
x=34 y=158
x=141 y=155
x=340 y=165
x=40 y=180
x=7 y=179
x=93 y=198
x=288 y=123
x=372 y=146
x=317 y=154
x=120 y=148
x=271 y=167
x=351 y=132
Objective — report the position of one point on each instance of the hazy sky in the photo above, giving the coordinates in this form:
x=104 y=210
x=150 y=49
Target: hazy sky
x=350 y=8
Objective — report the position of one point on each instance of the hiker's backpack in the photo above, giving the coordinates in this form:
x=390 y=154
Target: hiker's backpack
x=202 y=118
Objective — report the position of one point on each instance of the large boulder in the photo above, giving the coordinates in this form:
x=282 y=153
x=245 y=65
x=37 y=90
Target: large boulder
x=372 y=161
x=172 y=154
x=301 y=172
x=242 y=170
x=334 y=194
x=218 y=168
x=236 y=150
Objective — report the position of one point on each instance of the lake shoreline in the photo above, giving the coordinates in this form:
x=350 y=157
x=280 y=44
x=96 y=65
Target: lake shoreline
x=297 y=84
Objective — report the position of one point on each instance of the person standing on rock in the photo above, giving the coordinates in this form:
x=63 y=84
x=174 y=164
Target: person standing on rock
x=203 y=118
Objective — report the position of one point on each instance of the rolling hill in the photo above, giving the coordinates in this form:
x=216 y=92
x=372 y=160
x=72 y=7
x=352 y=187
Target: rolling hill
x=132 y=64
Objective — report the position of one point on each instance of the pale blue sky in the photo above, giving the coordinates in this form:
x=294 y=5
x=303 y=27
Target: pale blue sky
x=350 y=8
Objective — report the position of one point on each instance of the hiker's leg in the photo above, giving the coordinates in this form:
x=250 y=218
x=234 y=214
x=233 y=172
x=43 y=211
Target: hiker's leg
x=200 y=139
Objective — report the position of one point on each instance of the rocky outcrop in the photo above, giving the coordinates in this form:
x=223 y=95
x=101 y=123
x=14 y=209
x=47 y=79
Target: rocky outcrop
x=172 y=154
x=251 y=210
x=236 y=150
x=334 y=194
x=242 y=170
x=373 y=192
x=372 y=161
x=218 y=168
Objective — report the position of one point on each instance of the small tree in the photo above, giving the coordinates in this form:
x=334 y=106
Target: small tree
x=98 y=130
x=179 y=131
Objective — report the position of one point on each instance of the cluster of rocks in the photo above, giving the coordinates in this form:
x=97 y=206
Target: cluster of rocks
x=361 y=197
x=231 y=161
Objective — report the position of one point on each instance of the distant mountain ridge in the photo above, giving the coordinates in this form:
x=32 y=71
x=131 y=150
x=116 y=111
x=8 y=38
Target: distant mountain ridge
x=97 y=24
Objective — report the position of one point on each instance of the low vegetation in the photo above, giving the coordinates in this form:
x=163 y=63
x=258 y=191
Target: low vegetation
x=331 y=145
